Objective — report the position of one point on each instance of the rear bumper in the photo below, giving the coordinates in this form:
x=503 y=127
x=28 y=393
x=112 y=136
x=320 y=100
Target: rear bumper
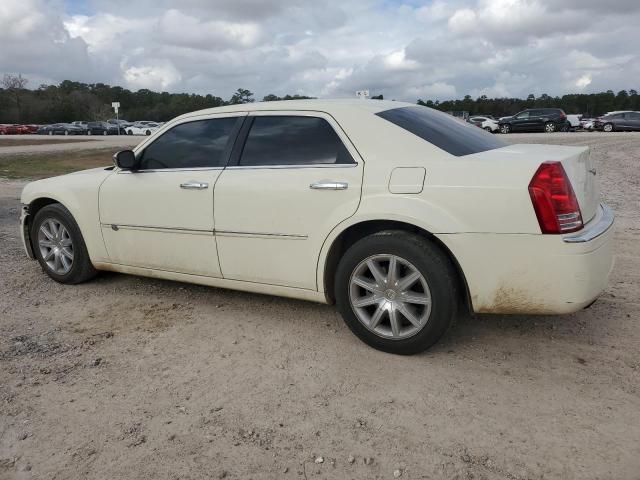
x=536 y=274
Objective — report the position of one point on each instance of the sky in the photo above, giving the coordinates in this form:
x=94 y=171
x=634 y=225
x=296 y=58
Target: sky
x=406 y=50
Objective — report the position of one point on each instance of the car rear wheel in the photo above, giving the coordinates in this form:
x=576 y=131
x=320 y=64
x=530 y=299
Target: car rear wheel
x=66 y=132
x=396 y=291
x=50 y=132
x=59 y=245
x=88 y=132
x=549 y=127
x=608 y=127
x=104 y=132
x=488 y=129
x=147 y=133
x=505 y=128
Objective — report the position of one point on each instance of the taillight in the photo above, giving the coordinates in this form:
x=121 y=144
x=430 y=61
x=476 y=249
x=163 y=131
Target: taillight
x=554 y=200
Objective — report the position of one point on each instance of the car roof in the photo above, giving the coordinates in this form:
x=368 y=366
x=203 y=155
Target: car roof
x=320 y=105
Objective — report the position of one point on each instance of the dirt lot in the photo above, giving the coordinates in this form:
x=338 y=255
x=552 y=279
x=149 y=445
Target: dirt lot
x=128 y=377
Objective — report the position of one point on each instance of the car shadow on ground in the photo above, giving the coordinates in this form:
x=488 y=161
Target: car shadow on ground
x=498 y=333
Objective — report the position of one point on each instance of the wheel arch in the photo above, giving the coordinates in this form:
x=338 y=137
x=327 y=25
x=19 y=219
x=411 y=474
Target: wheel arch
x=357 y=231
x=35 y=206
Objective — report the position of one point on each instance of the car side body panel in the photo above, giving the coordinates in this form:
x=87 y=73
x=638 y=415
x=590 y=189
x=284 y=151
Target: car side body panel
x=477 y=205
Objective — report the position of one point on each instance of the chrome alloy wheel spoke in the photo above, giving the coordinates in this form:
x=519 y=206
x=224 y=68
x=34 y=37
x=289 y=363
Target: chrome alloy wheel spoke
x=56 y=246
x=390 y=296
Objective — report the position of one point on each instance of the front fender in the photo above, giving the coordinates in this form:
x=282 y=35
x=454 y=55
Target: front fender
x=78 y=192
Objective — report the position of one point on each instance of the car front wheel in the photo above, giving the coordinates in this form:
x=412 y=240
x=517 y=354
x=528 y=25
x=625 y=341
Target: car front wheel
x=608 y=127
x=505 y=128
x=59 y=245
x=549 y=127
x=396 y=291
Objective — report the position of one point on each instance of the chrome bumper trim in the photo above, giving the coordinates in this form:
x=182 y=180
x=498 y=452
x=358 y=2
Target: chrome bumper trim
x=603 y=224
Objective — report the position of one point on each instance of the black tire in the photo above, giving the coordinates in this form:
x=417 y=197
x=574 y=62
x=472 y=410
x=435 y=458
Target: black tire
x=81 y=267
x=608 y=127
x=488 y=129
x=431 y=262
x=505 y=128
x=549 y=127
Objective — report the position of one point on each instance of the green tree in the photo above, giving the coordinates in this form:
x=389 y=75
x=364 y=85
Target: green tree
x=242 y=95
x=14 y=84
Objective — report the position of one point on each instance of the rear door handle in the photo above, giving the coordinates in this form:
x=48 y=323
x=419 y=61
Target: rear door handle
x=192 y=185
x=329 y=185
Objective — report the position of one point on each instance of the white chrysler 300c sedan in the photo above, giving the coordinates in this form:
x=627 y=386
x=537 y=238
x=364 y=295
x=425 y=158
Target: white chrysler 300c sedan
x=397 y=213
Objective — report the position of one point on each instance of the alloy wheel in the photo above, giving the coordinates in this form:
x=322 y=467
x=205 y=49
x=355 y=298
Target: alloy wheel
x=390 y=296
x=56 y=246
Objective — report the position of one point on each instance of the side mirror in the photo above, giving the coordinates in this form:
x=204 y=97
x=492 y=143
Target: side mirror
x=125 y=160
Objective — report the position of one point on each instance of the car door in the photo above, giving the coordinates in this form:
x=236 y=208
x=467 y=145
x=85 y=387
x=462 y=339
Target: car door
x=520 y=121
x=634 y=120
x=161 y=215
x=292 y=178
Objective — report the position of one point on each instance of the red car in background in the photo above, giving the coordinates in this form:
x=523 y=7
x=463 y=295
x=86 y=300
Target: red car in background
x=29 y=128
x=16 y=129
x=9 y=129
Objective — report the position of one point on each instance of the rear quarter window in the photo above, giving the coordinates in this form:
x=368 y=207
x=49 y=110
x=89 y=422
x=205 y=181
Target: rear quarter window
x=444 y=131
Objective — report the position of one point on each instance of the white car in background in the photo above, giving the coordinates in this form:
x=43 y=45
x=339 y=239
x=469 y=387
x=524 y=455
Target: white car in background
x=489 y=124
x=142 y=128
x=275 y=198
x=574 y=121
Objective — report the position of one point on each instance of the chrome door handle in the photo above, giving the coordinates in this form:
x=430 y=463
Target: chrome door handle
x=327 y=185
x=194 y=185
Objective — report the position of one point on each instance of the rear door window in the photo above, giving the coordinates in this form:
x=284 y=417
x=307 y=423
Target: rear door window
x=442 y=130
x=293 y=140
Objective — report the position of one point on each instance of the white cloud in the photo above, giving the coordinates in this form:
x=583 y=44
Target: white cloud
x=154 y=75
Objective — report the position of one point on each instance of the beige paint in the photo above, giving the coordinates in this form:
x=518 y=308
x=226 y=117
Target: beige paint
x=272 y=234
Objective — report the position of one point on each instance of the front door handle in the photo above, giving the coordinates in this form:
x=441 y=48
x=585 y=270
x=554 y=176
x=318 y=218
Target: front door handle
x=192 y=185
x=329 y=185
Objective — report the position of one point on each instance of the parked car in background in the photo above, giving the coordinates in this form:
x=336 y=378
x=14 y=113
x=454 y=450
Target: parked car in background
x=142 y=129
x=619 y=121
x=535 y=119
x=489 y=124
x=11 y=129
x=587 y=123
x=103 y=128
x=81 y=123
x=444 y=214
x=119 y=121
x=31 y=128
x=66 y=129
x=574 y=122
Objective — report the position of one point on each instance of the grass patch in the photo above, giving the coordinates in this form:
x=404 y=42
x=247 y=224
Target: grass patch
x=20 y=142
x=50 y=164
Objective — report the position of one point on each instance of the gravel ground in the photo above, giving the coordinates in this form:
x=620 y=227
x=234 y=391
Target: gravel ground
x=53 y=143
x=127 y=377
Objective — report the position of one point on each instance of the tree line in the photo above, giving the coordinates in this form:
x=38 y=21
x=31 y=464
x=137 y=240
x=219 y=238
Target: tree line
x=70 y=100
x=587 y=104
